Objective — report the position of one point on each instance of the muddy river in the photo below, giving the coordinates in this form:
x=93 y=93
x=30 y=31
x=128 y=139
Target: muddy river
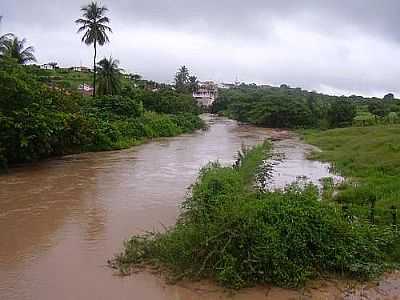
x=61 y=219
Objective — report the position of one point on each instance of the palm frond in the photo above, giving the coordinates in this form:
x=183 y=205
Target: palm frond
x=14 y=48
x=103 y=20
x=93 y=25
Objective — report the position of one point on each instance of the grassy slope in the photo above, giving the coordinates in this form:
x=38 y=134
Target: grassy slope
x=369 y=156
x=68 y=79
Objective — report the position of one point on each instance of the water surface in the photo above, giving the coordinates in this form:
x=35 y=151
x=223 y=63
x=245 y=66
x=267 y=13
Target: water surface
x=61 y=219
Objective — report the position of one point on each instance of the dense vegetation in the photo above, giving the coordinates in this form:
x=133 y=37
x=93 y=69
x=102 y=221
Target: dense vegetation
x=369 y=157
x=240 y=236
x=42 y=114
x=38 y=121
x=287 y=107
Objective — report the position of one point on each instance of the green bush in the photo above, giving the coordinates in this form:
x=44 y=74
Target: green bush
x=157 y=125
x=365 y=119
x=118 y=106
x=241 y=237
x=168 y=102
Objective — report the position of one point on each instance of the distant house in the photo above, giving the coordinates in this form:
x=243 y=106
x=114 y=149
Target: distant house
x=226 y=85
x=85 y=89
x=48 y=67
x=86 y=70
x=81 y=69
x=206 y=93
x=126 y=76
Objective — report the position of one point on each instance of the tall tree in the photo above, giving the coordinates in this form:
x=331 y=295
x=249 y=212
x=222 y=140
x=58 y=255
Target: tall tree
x=182 y=79
x=193 y=84
x=93 y=24
x=12 y=47
x=109 y=77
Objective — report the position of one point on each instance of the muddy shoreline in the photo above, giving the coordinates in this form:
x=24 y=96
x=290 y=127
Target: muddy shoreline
x=388 y=287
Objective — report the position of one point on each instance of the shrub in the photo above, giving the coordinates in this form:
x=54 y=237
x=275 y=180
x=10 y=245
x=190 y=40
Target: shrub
x=157 y=125
x=119 y=106
x=168 y=102
x=241 y=237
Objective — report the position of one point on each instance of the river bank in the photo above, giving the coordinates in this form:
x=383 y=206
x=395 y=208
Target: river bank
x=62 y=219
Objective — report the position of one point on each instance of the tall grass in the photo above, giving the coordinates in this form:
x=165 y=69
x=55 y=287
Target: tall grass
x=370 y=158
x=239 y=236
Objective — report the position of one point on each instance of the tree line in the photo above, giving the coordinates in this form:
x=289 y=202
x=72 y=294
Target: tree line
x=287 y=107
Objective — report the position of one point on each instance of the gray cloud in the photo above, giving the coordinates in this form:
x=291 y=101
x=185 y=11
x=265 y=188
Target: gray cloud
x=335 y=46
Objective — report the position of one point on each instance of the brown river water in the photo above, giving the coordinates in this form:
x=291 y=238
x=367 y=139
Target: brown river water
x=61 y=219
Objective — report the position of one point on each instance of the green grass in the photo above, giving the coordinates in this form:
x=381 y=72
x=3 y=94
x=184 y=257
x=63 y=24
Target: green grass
x=232 y=233
x=68 y=79
x=369 y=157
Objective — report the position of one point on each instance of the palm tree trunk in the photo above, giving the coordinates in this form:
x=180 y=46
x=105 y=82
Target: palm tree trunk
x=94 y=68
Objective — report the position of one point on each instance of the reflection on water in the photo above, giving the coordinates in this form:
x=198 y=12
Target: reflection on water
x=60 y=220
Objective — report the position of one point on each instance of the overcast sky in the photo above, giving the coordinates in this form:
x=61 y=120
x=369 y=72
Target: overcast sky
x=333 y=46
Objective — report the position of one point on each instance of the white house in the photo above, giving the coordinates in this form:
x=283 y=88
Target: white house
x=47 y=67
x=85 y=89
x=206 y=93
x=81 y=69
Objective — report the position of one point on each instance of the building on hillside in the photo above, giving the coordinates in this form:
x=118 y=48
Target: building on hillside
x=226 y=85
x=48 y=66
x=81 y=69
x=206 y=93
x=85 y=89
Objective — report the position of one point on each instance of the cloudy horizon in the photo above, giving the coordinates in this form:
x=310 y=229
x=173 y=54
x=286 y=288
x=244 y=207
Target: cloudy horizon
x=334 y=47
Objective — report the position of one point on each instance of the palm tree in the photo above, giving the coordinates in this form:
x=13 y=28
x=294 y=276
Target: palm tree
x=12 y=47
x=93 y=23
x=109 y=77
